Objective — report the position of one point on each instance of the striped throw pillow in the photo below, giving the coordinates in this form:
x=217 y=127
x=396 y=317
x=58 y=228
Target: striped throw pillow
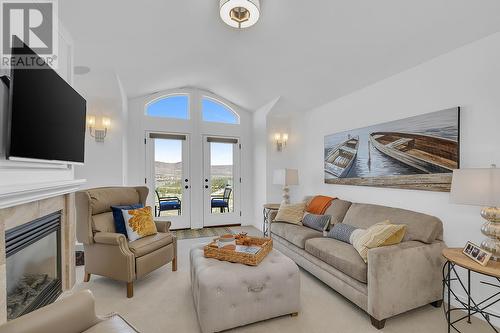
x=380 y=234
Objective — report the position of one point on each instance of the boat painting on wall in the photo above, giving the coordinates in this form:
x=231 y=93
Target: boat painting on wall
x=419 y=152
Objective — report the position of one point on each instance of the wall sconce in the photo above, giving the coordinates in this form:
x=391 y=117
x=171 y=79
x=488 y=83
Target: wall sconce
x=98 y=133
x=281 y=140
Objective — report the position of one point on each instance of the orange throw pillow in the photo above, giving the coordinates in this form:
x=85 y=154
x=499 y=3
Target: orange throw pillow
x=319 y=204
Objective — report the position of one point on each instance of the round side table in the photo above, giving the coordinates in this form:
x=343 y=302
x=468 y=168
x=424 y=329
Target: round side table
x=455 y=258
x=267 y=209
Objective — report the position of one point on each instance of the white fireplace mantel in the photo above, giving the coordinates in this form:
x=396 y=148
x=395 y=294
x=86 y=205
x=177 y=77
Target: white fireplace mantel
x=13 y=195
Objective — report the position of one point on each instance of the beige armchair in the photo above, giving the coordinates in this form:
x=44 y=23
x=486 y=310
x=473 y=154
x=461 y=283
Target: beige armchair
x=73 y=314
x=110 y=254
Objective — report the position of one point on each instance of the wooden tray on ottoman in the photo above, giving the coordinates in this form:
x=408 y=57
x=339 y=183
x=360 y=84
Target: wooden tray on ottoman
x=212 y=251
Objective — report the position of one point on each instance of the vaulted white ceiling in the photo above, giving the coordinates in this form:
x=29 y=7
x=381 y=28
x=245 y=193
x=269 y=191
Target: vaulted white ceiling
x=306 y=51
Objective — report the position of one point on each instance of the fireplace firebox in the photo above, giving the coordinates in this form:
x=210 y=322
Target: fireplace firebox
x=33 y=252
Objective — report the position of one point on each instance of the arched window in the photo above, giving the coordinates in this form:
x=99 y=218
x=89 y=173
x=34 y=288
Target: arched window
x=173 y=106
x=216 y=112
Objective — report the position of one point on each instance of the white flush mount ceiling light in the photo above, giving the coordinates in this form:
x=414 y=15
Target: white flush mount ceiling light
x=240 y=13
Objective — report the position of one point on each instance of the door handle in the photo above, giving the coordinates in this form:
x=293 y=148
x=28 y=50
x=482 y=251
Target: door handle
x=206 y=186
x=186 y=180
x=206 y=180
x=186 y=187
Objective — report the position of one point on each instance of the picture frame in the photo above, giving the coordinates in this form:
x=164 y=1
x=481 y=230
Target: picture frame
x=418 y=153
x=476 y=253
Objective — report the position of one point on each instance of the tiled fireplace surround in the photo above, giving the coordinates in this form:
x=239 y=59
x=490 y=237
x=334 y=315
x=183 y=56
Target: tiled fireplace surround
x=24 y=213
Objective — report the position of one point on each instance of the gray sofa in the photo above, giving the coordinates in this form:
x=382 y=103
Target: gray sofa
x=396 y=279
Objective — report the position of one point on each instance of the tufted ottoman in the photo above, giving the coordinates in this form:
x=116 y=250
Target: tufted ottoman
x=228 y=295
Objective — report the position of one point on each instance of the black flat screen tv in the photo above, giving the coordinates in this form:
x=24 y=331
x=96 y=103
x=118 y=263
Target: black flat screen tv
x=47 y=118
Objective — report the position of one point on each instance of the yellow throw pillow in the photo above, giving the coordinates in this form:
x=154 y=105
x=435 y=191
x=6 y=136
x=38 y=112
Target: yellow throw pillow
x=139 y=223
x=291 y=213
x=380 y=234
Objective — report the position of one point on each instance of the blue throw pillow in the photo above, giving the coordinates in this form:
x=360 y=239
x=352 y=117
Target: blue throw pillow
x=316 y=222
x=341 y=232
x=118 y=217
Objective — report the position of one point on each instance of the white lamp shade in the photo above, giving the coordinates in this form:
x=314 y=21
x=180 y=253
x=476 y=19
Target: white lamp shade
x=286 y=177
x=477 y=187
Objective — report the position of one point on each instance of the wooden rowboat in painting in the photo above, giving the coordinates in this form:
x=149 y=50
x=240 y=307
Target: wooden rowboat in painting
x=339 y=159
x=428 y=154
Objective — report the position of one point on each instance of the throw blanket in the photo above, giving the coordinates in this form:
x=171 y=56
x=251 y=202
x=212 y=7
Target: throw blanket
x=319 y=204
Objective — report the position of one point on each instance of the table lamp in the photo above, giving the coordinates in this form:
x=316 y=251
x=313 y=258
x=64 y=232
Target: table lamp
x=285 y=178
x=481 y=187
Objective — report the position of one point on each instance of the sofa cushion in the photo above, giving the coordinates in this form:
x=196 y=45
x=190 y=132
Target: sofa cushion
x=420 y=227
x=103 y=222
x=291 y=213
x=337 y=210
x=378 y=235
x=139 y=223
x=342 y=232
x=115 y=323
x=118 y=217
x=340 y=255
x=149 y=244
x=316 y=222
x=101 y=199
x=318 y=204
x=295 y=234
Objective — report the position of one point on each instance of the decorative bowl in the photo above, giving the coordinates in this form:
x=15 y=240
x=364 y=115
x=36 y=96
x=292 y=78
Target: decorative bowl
x=226 y=240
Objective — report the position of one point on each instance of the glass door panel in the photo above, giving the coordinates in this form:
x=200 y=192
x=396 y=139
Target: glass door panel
x=221 y=178
x=221 y=181
x=169 y=181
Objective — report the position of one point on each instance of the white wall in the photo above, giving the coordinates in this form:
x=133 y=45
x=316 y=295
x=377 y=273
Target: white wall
x=468 y=77
x=125 y=124
x=139 y=124
x=285 y=159
x=260 y=155
x=105 y=162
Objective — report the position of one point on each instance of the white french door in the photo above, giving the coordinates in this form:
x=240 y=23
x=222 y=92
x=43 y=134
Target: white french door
x=221 y=181
x=167 y=167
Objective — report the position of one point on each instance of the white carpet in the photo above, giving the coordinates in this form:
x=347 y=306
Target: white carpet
x=163 y=302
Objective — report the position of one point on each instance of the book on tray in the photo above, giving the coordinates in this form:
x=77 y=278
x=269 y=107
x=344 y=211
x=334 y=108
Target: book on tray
x=248 y=249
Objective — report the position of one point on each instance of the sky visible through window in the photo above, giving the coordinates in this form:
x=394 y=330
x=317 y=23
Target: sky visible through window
x=170 y=107
x=177 y=106
x=221 y=153
x=218 y=113
x=170 y=151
